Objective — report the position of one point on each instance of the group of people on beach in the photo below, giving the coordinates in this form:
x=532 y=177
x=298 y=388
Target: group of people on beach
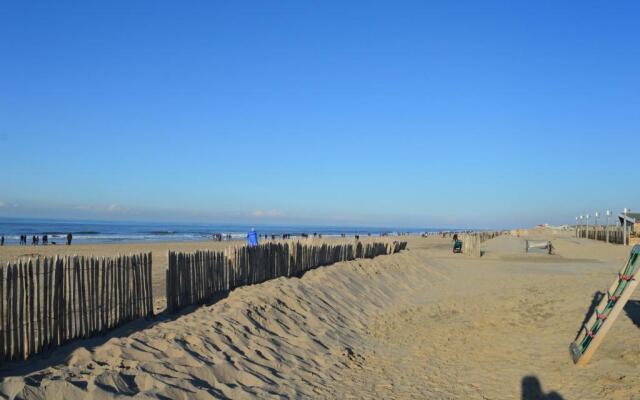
x=44 y=240
x=303 y=235
x=253 y=236
x=219 y=237
x=274 y=237
x=37 y=240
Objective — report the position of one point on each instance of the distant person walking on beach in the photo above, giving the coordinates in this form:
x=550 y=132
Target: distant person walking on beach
x=45 y=239
x=2 y=240
x=252 y=238
x=69 y=238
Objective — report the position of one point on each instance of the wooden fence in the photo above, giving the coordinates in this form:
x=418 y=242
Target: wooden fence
x=484 y=235
x=471 y=242
x=599 y=232
x=193 y=278
x=544 y=246
x=471 y=245
x=487 y=235
x=46 y=302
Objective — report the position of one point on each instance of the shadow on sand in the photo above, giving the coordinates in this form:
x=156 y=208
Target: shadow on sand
x=532 y=390
x=58 y=355
x=597 y=297
x=632 y=308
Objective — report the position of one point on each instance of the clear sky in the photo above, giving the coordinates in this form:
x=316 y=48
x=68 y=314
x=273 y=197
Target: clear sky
x=467 y=113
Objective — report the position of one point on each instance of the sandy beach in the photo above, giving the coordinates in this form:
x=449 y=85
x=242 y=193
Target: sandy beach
x=260 y=200
x=424 y=323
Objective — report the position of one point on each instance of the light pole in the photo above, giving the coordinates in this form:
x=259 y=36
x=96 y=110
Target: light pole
x=607 y=232
x=581 y=226
x=595 y=226
x=624 y=226
x=587 y=227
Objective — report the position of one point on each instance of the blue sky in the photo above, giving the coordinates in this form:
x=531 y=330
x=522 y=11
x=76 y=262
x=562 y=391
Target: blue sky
x=479 y=114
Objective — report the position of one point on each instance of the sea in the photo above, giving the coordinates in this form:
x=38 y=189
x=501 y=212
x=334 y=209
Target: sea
x=136 y=232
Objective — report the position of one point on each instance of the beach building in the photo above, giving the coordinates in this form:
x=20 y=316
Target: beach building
x=636 y=223
x=633 y=226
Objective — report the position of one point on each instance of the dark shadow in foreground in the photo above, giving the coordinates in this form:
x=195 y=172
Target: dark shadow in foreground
x=597 y=297
x=632 y=308
x=532 y=390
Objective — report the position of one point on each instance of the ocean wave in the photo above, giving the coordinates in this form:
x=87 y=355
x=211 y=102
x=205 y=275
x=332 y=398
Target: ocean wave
x=91 y=232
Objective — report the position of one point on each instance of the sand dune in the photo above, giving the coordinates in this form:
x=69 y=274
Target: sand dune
x=420 y=324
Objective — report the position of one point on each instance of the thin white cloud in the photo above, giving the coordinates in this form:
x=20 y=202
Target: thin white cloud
x=111 y=208
x=116 y=208
x=267 y=213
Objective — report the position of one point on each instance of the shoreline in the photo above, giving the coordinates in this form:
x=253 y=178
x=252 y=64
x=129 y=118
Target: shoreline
x=108 y=232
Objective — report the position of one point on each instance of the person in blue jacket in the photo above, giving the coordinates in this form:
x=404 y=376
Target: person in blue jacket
x=252 y=238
